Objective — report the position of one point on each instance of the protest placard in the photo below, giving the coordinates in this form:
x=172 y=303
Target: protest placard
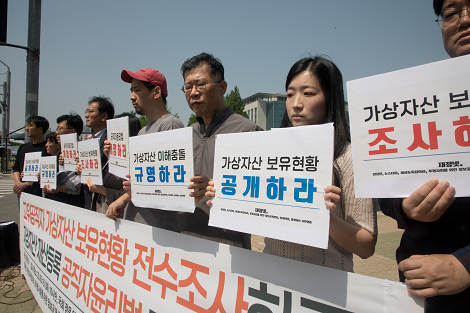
x=69 y=150
x=118 y=137
x=271 y=183
x=32 y=161
x=90 y=161
x=49 y=171
x=76 y=260
x=161 y=166
x=409 y=126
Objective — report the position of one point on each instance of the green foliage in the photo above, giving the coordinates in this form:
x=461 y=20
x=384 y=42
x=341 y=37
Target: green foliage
x=169 y=111
x=234 y=100
x=143 y=120
x=192 y=119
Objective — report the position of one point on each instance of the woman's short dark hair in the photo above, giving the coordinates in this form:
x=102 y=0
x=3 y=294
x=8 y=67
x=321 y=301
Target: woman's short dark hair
x=331 y=83
x=104 y=105
x=39 y=121
x=72 y=120
x=215 y=65
x=52 y=137
x=438 y=6
x=134 y=123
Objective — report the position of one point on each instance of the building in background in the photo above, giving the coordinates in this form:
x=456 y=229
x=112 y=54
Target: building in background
x=86 y=131
x=266 y=109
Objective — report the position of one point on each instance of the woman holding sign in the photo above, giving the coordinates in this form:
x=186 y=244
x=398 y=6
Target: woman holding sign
x=315 y=96
x=68 y=183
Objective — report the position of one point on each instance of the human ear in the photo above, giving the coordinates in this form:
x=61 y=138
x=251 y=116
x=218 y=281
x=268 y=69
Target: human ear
x=158 y=92
x=223 y=87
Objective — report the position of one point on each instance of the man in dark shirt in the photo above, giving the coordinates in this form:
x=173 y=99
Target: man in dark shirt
x=434 y=253
x=36 y=127
x=99 y=110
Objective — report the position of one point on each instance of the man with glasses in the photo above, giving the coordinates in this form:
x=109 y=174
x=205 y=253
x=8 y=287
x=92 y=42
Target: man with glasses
x=204 y=88
x=68 y=182
x=68 y=124
x=148 y=95
x=434 y=252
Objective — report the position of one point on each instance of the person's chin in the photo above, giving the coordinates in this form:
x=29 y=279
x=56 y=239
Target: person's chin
x=465 y=50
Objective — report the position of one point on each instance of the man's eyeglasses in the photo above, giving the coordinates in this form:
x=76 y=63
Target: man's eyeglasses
x=451 y=18
x=59 y=129
x=200 y=86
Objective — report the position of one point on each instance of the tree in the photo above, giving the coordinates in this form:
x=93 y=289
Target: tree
x=169 y=111
x=192 y=119
x=143 y=120
x=234 y=100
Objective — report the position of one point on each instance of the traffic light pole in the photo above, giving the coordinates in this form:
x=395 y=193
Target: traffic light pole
x=32 y=68
x=6 y=115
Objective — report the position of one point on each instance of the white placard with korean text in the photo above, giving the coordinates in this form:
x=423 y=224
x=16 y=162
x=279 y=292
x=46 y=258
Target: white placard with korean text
x=118 y=136
x=161 y=166
x=146 y=269
x=49 y=171
x=69 y=150
x=409 y=126
x=271 y=183
x=31 y=166
x=90 y=161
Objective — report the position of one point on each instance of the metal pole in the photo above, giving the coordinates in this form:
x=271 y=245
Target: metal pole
x=7 y=108
x=4 y=113
x=32 y=69
x=4 y=134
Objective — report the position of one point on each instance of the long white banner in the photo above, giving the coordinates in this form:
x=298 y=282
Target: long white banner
x=76 y=260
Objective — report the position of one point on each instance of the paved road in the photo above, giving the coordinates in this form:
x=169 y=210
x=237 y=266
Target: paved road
x=9 y=210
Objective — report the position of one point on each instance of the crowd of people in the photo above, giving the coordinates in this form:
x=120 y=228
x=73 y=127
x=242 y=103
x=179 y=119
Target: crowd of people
x=434 y=254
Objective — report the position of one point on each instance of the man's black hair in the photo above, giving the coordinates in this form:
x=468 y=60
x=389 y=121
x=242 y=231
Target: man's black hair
x=72 y=120
x=150 y=87
x=39 y=121
x=104 y=105
x=438 y=6
x=215 y=66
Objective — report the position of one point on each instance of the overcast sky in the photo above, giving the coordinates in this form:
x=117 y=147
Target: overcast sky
x=86 y=44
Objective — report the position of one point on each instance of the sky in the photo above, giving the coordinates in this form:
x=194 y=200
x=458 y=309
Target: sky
x=86 y=44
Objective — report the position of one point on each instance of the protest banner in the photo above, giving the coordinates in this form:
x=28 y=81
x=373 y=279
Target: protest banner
x=32 y=161
x=90 y=160
x=69 y=150
x=49 y=171
x=271 y=183
x=161 y=166
x=409 y=126
x=118 y=137
x=76 y=260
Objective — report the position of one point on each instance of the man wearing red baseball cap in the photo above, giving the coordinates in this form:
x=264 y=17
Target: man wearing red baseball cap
x=148 y=96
